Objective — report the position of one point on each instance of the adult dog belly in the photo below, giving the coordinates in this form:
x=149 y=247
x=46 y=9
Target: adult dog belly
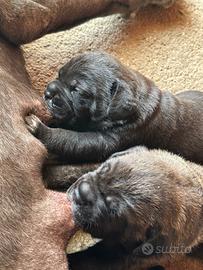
x=34 y=224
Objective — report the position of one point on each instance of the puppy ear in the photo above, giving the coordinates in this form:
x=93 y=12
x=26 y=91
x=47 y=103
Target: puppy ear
x=122 y=105
x=108 y=167
x=129 y=151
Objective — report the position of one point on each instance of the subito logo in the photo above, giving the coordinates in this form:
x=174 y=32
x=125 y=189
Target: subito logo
x=147 y=249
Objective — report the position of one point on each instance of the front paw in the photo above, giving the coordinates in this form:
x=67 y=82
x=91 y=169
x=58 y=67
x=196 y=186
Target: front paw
x=33 y=123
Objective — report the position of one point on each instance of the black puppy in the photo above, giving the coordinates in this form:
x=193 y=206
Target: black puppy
x=140 y=203
x=108 y=108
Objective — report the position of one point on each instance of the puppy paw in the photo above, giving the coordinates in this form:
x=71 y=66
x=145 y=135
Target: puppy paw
x=33 y=123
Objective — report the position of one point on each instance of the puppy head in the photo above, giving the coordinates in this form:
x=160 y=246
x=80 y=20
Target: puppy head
x=93 y=88
x=117 y=198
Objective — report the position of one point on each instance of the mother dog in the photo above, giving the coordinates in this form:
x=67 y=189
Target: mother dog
x=34 y=224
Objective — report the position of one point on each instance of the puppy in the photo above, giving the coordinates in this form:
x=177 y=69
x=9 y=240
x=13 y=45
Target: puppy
x=107 y=107
x=143 y=204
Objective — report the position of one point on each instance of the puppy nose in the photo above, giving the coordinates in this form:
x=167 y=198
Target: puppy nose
x=51 y=90
x=85 y=193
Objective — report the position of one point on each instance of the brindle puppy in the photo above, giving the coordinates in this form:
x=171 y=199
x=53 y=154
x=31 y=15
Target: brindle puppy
x=114 y=108
x=141 y=203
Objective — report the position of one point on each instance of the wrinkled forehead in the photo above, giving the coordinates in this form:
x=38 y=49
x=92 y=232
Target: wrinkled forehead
x=89 y=65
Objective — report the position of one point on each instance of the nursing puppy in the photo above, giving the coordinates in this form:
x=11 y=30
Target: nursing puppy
x=114 y=108
x=140 y=203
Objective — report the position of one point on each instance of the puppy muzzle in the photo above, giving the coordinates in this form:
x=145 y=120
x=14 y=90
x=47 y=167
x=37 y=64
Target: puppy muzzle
x=58 y=100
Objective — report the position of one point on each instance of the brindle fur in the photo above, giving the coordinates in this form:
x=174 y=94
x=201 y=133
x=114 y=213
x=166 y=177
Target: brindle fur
x=114 y=108
x=138 y=197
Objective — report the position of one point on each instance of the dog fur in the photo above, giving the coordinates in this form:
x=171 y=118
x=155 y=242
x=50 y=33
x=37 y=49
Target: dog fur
x=139 y=197
x=103 y=107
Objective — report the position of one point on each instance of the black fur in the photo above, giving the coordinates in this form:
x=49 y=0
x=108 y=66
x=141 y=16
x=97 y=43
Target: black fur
x=102 y=107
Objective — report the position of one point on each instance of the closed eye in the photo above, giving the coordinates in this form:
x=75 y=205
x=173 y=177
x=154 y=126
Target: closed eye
x=113 y=88
x=86 y=95
x=73 y=89
x=73 y=86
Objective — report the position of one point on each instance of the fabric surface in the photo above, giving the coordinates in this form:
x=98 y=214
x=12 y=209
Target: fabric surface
x=165 y=45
